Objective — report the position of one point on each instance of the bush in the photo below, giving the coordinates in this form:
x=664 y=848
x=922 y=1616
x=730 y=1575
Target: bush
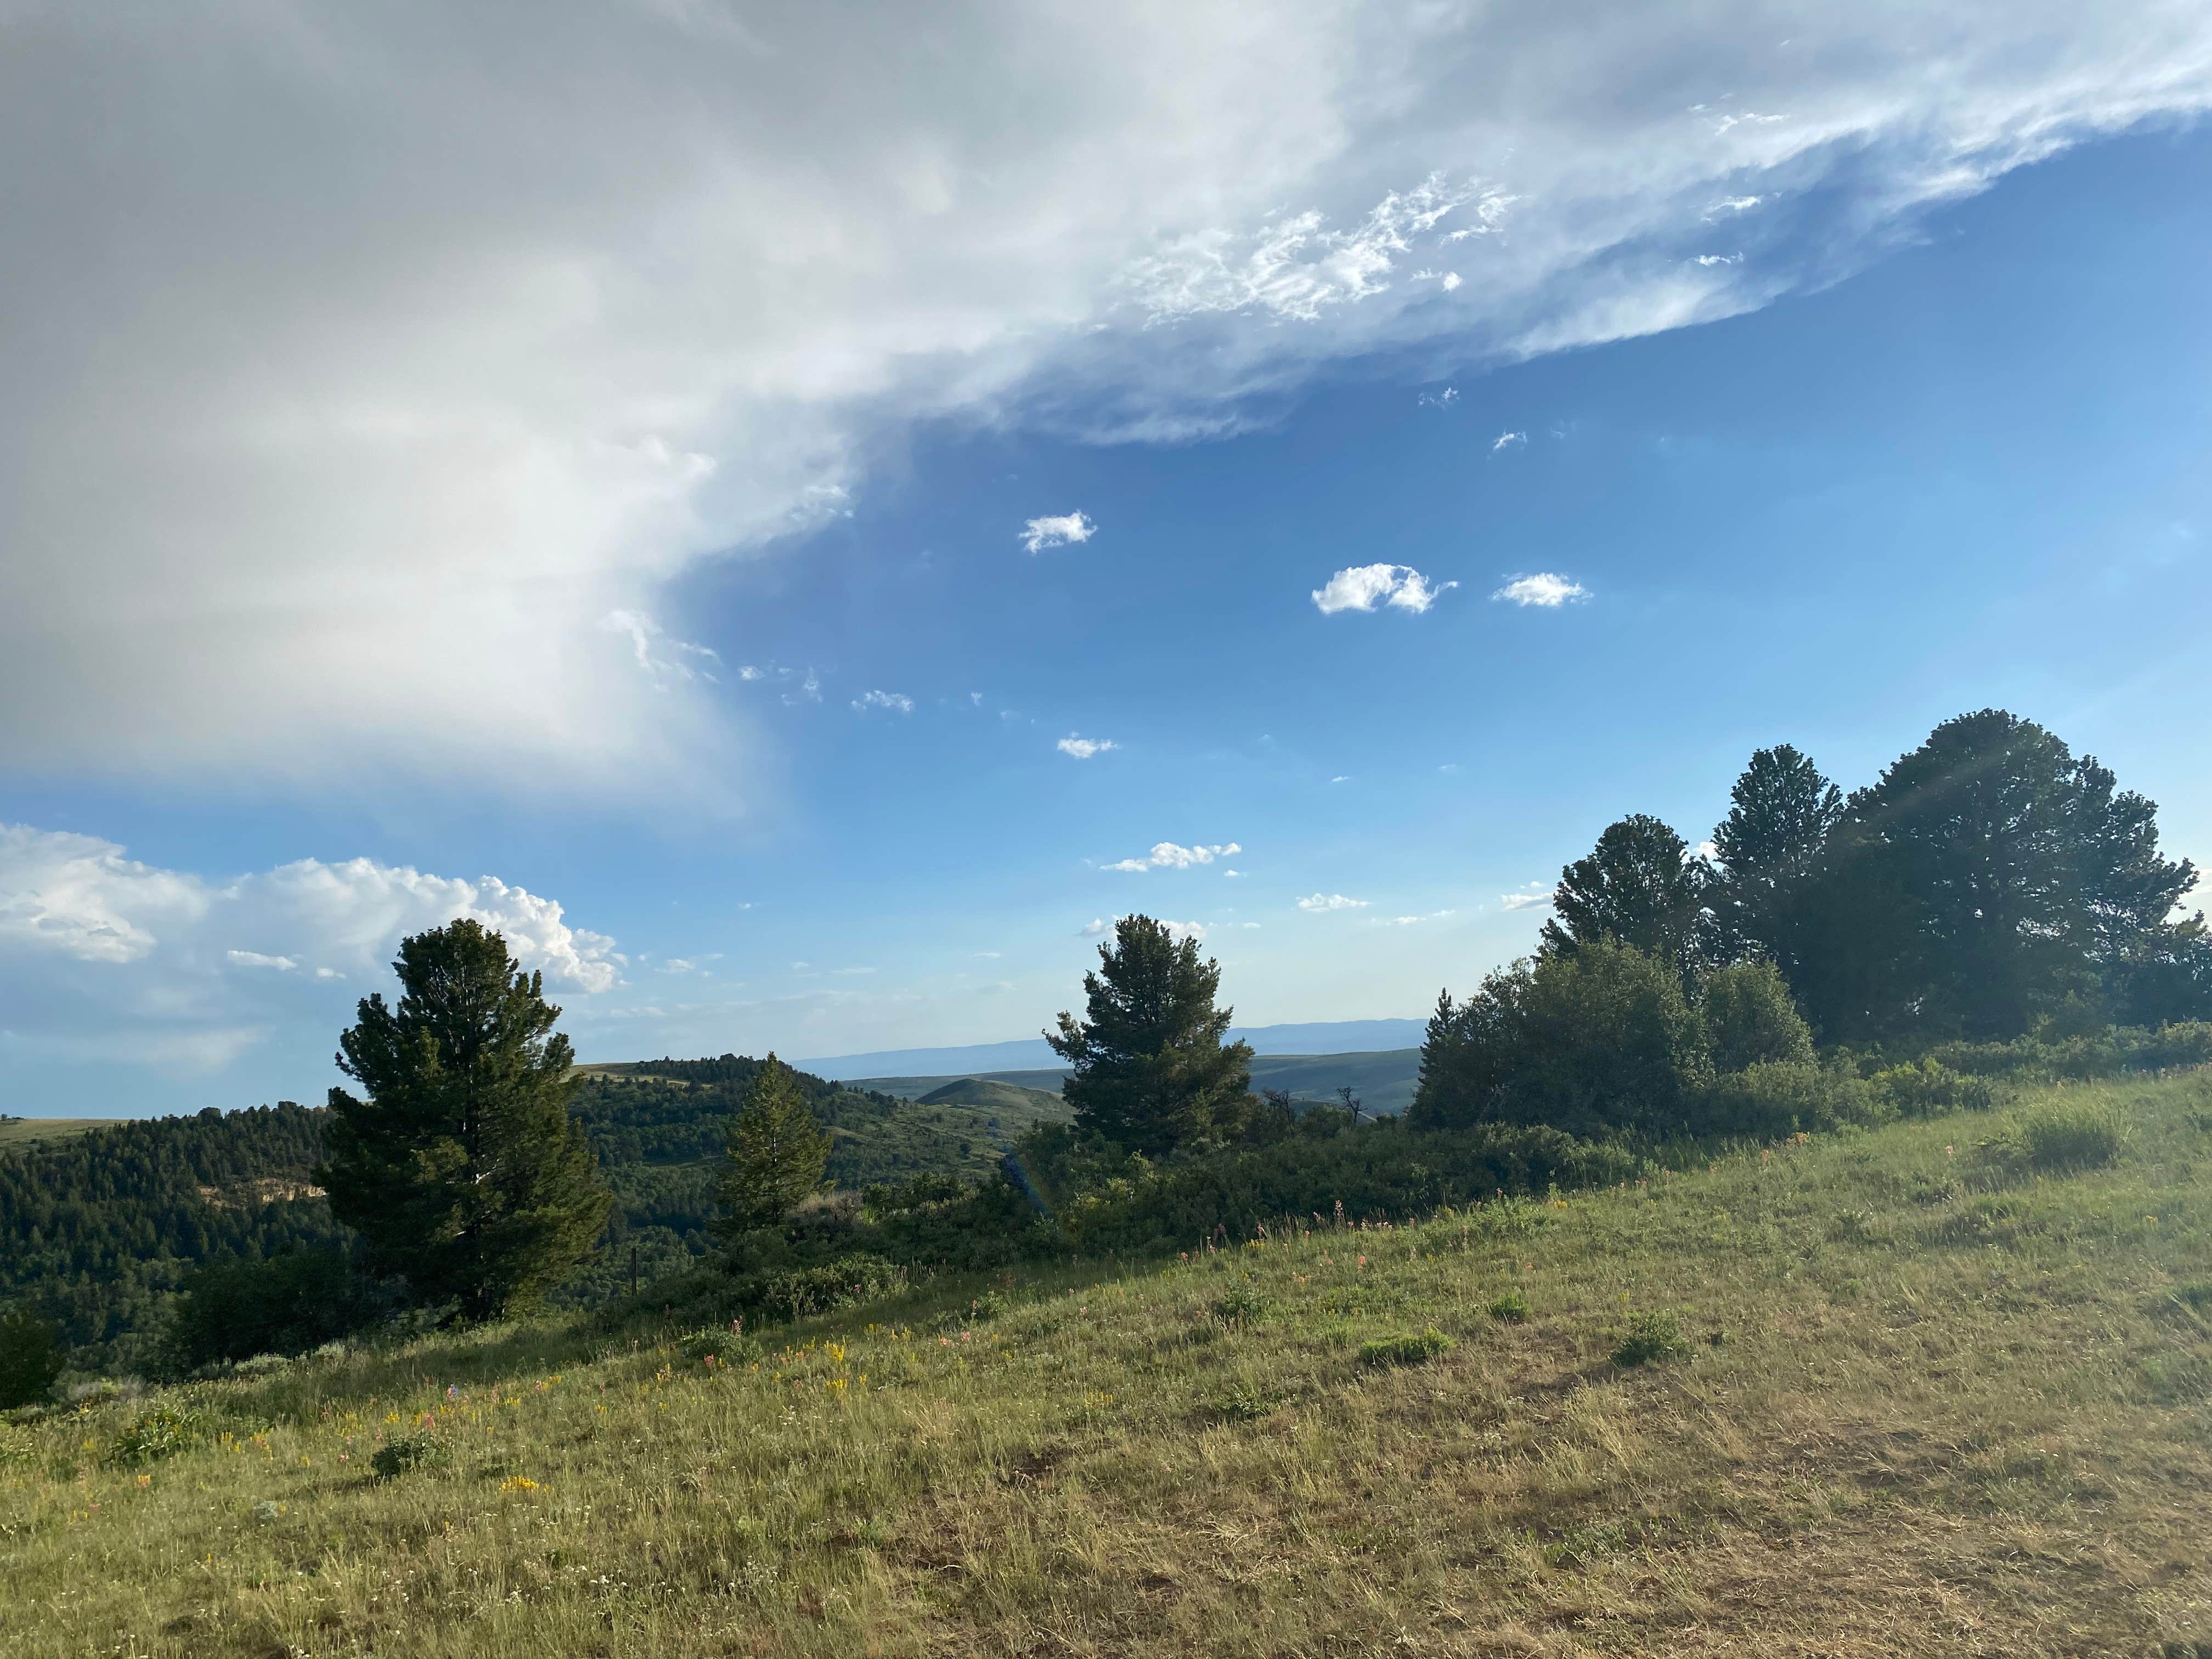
x=801 y=1292
x=1511 y=1309
x=286 y=1305
x=1417 y=1349
x=161 y=1433
x=1599 y=1041
x=2059 y=1138
x=1750 y=1019
x=30 y=1360
x=1925 y=1088
x=405 y=1453
x=1651 y=1337
x=1378 y=1171
x=18 y=1449
x=1781 y=1097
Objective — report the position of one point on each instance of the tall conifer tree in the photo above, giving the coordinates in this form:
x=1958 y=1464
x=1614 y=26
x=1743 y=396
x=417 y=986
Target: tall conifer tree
x=463 y=1168
x=774 y=1156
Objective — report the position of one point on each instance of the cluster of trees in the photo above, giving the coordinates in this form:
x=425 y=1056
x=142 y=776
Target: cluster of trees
x=1987 y=881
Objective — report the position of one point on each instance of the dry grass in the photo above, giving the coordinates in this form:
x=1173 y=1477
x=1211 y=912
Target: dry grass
x=1922 y=1414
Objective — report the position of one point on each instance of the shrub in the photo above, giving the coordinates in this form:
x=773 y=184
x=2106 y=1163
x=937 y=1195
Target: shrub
x=724 y=1347
x=1239 y=1305
x=1417 y=1349
x=1780 y=1097
x=1925 y=1088
x=1651 y=1337
x=405 y=1453
x=30 y=1361
x=2057 y=1139
x=1245 y=1402
x=1511 y=1309
x=1750 y=1019
x=800 y=1292
x=161 y=1433
x=285 y=1304
x=17 y=1447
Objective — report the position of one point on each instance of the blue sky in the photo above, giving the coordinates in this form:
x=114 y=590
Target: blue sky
x=1927 y=430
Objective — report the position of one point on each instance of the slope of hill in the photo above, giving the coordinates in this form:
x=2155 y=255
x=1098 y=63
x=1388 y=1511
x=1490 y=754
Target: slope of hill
x=1019 y=1107
x=22 y=1131
x=1384 y=1081
x=1881 y=1394
x=1033 y=1054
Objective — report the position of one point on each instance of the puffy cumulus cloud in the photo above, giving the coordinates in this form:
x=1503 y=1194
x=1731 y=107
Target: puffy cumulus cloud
x=1167 y=855
x=1362 y=588
x=1039 y=534
x=1321 y=901
x=1545 y=589
x=897 y=702
x=104 y=957
x=1534 y=893
x=1084 y=748
x=358 y=363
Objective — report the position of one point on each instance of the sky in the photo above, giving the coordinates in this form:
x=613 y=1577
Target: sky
x=801 y=517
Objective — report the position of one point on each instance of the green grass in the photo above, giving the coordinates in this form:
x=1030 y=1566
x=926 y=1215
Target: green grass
x=21 y=1131
x=1958 y=1409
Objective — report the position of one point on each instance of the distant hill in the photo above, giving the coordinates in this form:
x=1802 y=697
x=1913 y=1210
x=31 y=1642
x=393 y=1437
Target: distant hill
x=994 y=1058
x=1384 y=1081
x=20 y=1131
x=1012 y=1100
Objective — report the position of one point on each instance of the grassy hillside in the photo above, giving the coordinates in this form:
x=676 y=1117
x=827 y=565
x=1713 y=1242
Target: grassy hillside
x=1927 y=1400
x=22 y=1131
x=1019 y=1105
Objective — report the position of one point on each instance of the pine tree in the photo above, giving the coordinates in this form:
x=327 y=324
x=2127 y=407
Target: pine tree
x=1769 y=849
x=1638 y=887
x=774 y=1156
x=29 y=1360
x=1150 y=1071
x=463 y=1168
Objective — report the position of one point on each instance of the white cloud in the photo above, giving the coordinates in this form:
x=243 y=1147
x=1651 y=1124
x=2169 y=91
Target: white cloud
x=661 y=658
x=1167 y=855
x=1039 y=534
x=256 y=959
x=1084 y=748
x=1362 y=588
x=104 y=957
x=1544 y=588
x=1413 y=921
x=312 y=482
x=1734 y=204
x=1444 y=400
x=1709 y=259
x=1233 y=874
x=1508 y=441
x=1176 y=930
x=1527 y=898
x=1341 y=777
x=1092 y=928
x=897 y=701
x=1320 y=902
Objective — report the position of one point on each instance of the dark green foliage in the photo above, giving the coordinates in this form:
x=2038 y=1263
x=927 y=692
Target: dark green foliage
x=1651 y=1337
x=30 y=1360
x=1768 y=851
x=1988 y=876
x=801 y=1292
x=1925 y=1088
x=1511 y=1309
x=2106 y=1053
x=1783 y=1098
x=405 y=1453
x=1150 y=1072
x=1416 y=1348
x=772 y=1158
x=1600 y=1041
x=1750 y=1019
x=1638 y=887
x=1378 y=1171
x=161 y=1433
x=97 y=1230
x=284 y=1304
x=463 y=1168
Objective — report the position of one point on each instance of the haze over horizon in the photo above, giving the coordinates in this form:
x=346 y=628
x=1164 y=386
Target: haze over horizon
x=802 y=522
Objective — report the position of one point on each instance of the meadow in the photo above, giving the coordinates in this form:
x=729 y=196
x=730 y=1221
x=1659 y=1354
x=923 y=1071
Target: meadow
x=1941 y=1388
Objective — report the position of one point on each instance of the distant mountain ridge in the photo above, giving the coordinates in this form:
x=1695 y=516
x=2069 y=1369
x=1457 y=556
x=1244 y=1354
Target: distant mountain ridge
x=1336 y=1037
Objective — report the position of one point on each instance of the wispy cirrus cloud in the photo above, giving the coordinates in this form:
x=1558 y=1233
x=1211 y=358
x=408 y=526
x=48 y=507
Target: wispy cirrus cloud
x=1545 y=589
x=1508 y=441
x=1362 y=588
x=896 y=702
x=1056 y=531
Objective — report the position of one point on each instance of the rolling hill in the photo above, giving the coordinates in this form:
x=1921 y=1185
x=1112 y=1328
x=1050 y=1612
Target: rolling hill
x=1384 y=1081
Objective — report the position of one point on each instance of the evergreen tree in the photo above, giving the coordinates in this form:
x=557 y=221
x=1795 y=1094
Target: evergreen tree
x=463 y=1168
x=29 y=1359
x=1638 y=887
x=1150 y=1071
x=774 y=1154
x=1769 y=849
